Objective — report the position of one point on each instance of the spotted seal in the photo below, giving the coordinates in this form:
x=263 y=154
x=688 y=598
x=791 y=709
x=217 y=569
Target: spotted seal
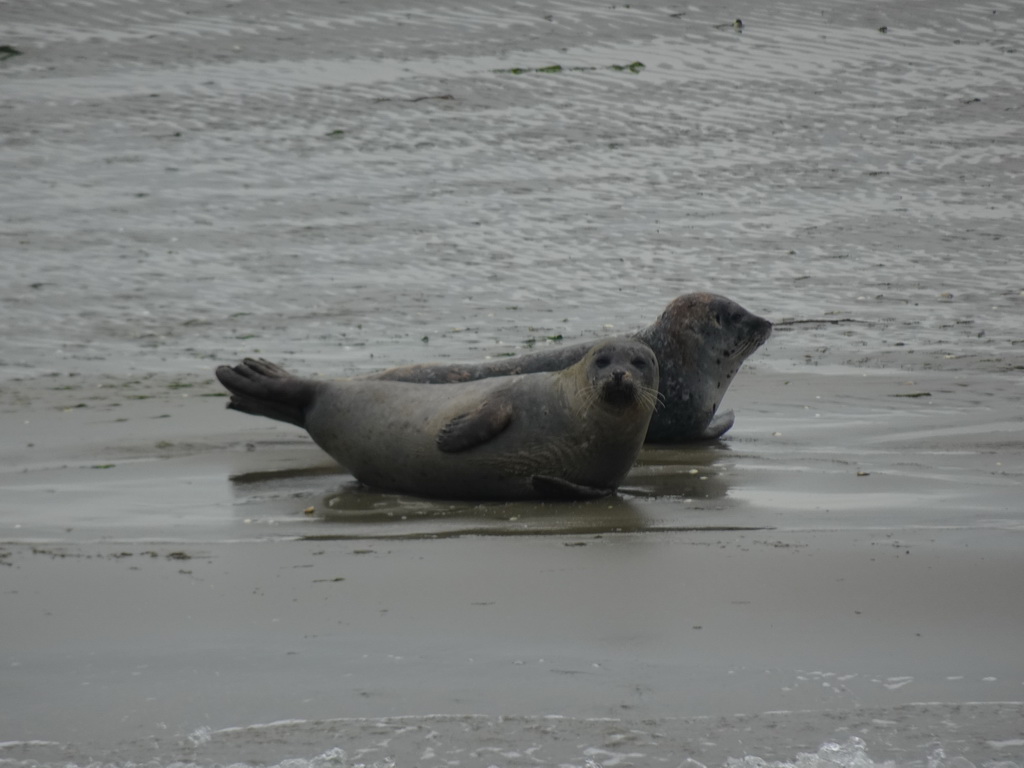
x=572 y=433
x=700 y=340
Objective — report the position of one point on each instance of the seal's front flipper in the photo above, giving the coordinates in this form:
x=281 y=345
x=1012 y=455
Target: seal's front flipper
x=720 y=424
x=468 y=430
x=557 y=488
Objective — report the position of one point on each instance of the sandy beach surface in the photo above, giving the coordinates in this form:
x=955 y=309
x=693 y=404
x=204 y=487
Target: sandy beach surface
x=342 y=187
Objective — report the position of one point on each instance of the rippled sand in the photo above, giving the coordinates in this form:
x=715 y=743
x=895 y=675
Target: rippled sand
x=343 y=187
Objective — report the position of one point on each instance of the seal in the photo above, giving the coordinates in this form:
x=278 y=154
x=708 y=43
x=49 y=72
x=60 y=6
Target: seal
x=700 y=340
x=569 y=434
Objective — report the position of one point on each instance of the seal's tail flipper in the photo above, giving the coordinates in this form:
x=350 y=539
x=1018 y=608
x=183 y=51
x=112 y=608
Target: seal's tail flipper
x=263 y=389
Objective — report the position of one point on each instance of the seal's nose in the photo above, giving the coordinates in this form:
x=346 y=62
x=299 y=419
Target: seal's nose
x=618 y=375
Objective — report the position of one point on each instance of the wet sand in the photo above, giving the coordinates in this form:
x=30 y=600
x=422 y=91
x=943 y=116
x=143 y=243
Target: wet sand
x=153 y=645
x=217 y=571
x=345 y=192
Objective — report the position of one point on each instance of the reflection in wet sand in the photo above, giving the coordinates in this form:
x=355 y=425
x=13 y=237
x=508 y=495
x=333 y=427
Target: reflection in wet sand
x=265 y=476
x=677 y=480
x=680 y=473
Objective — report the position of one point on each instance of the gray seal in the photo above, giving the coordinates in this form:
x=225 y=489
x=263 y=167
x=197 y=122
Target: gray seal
x=571 y=434
x=700 y=340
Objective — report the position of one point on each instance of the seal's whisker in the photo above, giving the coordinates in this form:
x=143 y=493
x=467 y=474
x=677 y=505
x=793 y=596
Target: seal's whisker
x=745 y=349
x=659 y=398
x=647 y=397
x=589 y=396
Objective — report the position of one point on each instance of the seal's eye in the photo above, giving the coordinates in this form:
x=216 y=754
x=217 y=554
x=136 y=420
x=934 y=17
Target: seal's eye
x=639 y=362
x=603 y=361
x=736 y=317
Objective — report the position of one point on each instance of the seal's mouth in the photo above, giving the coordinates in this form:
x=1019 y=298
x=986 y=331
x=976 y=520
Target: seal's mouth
x=619 y=389
x=762 y=331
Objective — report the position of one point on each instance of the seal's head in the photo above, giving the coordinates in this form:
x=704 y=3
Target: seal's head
x=715 y=321
x=621 y=374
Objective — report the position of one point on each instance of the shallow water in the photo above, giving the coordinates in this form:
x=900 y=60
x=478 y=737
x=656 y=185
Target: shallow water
x=180 y=191
x=347 y=187
x=899 y=738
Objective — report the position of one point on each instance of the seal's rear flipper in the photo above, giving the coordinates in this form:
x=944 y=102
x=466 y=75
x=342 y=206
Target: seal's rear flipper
x=720 y=424
x=263 y=389
x=468 y=430
x=557 y=488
